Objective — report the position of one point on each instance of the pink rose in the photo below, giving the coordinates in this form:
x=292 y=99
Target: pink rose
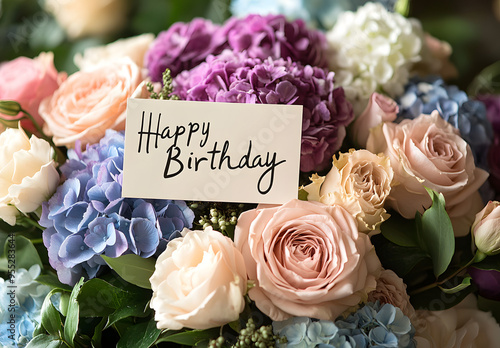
x=28 y=81
x=89 y=102
x=306 y=259
x=435 y=59
x=379 y=109
x=429 y=152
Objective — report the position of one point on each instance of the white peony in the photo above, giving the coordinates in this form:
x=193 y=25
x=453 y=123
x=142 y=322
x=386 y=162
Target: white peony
x=373 y=50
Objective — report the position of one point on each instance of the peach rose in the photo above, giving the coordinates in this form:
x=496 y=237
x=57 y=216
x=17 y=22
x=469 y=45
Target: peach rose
x=89 y=102
x=306 y=259
x=379 y=109
x=486 y=229
x=391 y=289
x=28 y=81
x=89 y=17
x=360 y=182
x=458 y=327
x=134 y=47
x=429 y=152
x=199 y=282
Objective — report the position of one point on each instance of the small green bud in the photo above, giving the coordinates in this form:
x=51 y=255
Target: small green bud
x=10 y=107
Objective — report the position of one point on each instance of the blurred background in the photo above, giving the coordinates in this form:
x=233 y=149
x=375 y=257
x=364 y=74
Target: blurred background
x=28 y=27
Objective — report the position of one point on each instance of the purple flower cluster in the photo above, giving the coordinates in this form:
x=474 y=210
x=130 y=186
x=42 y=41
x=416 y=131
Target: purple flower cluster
x=236 y=78
x=185 y=45
x=87 y=216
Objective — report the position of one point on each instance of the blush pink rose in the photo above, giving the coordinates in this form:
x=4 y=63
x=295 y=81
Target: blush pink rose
x=306 y=259
x=89 y=102
x=379 y=109
x=28 y=81
x=429 y=152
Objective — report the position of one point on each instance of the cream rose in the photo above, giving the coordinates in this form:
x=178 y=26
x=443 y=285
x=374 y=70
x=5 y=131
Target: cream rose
x=88 y=17
x=458 y=327
x=380 y=109
x=307 y=259
x=89 y=102
x=391 y=289
x=28 y=174
x=429 y=152
x=359 y=181
x=486 y=229
x=199 y=282
x=134 y=47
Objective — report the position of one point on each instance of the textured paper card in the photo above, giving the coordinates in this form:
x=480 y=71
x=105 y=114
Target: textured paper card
x=204 y=151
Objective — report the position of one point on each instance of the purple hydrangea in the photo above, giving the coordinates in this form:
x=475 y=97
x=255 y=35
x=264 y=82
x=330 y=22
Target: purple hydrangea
x=424 y=95
x=87 y=216
x=236 y=78
x=185 y=45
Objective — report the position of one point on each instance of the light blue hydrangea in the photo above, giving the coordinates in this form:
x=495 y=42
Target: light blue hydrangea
x=424 y=95
x=317 y=13
x=302 y=332
x=21 y=300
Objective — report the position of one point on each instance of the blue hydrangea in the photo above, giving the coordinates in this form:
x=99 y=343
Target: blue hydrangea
x=424 y=95
x=304 y=332
x=20 y=309
x=87 y=216
x=317 y=13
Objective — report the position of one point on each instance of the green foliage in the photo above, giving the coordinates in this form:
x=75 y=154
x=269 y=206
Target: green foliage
x=303 y=194
x=46 y=341
x=73 y=315
x=141 y=335
x=133 y=268
x=51 y=319
x=188 y=338
x=465 y=283
x=25 y=253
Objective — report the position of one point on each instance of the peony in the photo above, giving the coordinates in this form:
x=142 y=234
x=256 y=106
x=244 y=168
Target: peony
x=391 y=289
x=306 y=259
x=429 y=152
x=458 y=327
x=486 y=229
x=134 y=47
x=89 y=102
x=199 y=282
x=373 y=50
x=88 y=18
x=360 y=182
x=379 y=109
x=28 y=173
x=29 y=81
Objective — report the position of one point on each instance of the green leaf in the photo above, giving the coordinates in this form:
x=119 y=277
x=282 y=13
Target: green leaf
x=46 y=341
x=465 y=283
x=24 y=251
x=72 y=317
x=436 y=300
x=489 y=263
x=400 y=231
x=51 y=280
x=51 y=319
x=137 y=309
x=189 y=338
x=133 y=268
x=436 y=233
x=96 y=338
x=141 y=335
x=303 y=194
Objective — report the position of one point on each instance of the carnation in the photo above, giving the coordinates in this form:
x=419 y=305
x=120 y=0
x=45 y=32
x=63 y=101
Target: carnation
x=87 y=216
x=373 y=50
x=424 y=95
x=234 y=77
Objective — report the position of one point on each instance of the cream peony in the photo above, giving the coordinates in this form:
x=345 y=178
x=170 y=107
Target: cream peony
x=307 y=259
x=134 y=47
x=462 y=326
x=88 y=17
x=28 y=174
x=429 y=152
x=360 y=182
x=486 y=229
x=199 y=282
x=373 y=50
x=89 y=102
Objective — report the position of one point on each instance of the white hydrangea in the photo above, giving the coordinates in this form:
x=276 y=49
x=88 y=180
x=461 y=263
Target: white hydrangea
x=373 y=50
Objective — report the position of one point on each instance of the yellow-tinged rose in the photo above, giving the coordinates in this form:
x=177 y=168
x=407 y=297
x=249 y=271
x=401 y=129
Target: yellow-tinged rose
x=28 y=174
x=199 y=282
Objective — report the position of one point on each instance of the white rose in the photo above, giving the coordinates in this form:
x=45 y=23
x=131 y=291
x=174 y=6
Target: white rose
x=28 y=174
x=199 y=282
x=458 y=327
x=134 y=47
x=88 y=17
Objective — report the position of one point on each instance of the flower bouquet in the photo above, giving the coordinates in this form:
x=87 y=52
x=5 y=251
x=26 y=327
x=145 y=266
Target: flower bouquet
x=392 y=239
